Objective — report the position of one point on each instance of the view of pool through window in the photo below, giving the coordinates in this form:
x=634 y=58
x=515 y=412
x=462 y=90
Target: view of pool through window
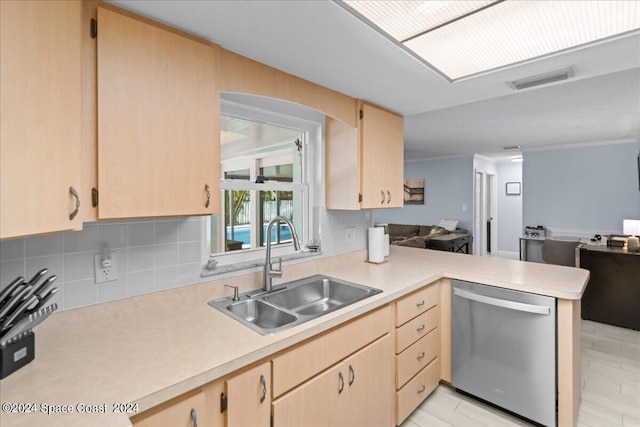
x=262 y=172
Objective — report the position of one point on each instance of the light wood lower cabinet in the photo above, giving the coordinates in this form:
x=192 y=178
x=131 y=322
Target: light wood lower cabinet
x=355 y=392
x=249 y=397
x=417 y=360
x=180 y=412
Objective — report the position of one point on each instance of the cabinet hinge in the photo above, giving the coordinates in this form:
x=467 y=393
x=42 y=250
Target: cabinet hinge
x=94 y=28
x=361 y=113
x=94 y=197
x=359 y=197
x=223 y=402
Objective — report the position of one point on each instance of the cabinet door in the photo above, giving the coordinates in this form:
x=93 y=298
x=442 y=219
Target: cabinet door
x=318 y=402
x=249 y=397
x=356 y=392
x=381 y=146
x=179 y=414
x=158 y=121
x=369 y=375
x=40 y=124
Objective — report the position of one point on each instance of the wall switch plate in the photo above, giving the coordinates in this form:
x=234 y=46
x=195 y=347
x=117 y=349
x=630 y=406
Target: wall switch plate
x=465 y=208
x=350 y=235
x=106 y=268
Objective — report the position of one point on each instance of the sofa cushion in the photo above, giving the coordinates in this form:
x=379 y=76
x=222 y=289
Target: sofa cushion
x=449 y=224
x=413 y=242
x=401 y=230
x=431 y=230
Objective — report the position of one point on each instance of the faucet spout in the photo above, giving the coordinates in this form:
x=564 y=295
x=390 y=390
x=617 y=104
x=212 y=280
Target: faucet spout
x=269 y=272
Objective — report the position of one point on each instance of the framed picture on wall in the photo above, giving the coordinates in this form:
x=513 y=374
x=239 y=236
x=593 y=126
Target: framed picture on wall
x=414 y=191
x=513 y=188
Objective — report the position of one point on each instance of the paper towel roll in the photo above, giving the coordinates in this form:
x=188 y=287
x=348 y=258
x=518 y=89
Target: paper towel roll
x=376 y=244
x=386 y=245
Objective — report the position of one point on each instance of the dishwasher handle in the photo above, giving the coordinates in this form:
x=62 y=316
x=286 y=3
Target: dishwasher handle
x=511 y=305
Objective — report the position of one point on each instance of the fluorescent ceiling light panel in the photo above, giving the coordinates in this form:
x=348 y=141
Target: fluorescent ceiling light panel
x=464 y=38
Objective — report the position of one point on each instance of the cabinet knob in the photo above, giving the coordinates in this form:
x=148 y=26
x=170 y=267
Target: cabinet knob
x=75 y=211
x=341 y=379
x=208 y=190
x=263 y=381
x=352 y=375
x=382 y=200
x=389 y=197
x=194 y=417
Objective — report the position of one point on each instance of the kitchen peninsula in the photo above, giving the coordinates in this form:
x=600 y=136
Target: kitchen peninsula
x=169 y=346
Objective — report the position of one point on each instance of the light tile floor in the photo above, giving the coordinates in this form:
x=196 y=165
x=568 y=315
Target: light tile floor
x=610 y=388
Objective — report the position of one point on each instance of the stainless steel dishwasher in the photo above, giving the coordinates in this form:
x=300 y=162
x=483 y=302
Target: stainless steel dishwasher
x=503 y=349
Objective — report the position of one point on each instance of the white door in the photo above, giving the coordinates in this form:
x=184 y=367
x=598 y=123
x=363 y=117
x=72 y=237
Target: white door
x=491 y=214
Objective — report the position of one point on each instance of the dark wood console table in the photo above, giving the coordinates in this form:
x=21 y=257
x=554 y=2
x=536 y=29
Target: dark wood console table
x=452 y=242
x=613 y=293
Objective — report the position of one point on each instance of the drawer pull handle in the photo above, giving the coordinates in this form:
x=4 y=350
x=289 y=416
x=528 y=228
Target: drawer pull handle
x=389 y=196
x=341 y=378
x=382 y=194
x=420 y=304
x=421 y=356
x=194 y=417
x=208 y=190
x=74 y=193
x=422 y=389
x=420 y=329
x=352 y=375
x=263 y=381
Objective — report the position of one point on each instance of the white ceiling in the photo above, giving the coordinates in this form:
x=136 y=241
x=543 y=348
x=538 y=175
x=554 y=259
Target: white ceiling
x=321 y=42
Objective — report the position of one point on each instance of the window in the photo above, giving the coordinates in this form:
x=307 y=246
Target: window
x=264 y=173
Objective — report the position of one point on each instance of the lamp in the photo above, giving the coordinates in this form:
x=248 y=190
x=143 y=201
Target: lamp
x=631 y=227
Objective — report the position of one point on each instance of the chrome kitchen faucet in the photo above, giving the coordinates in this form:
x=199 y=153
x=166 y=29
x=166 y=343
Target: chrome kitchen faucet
x=269 y=272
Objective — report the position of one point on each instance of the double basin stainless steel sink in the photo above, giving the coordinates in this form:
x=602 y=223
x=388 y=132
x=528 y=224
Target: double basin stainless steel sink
x=292 y=303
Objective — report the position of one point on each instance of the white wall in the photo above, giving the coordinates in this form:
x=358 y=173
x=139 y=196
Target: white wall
x=448 y=186
x=588 y=189
x=509 y=210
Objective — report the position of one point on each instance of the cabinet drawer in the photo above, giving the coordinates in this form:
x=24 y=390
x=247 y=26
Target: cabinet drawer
x=411 y=395
x=306 y=360
x=417 y=328
x=416 y=357
x=418 y=302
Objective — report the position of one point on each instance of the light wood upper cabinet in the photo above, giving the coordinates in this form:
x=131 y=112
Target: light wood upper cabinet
x=249 y=397
x=158 y=121
x=381 y=142
x=40 y=131
x=364 y=166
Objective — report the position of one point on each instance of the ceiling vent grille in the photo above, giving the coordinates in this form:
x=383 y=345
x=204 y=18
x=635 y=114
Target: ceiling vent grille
x=542 y=79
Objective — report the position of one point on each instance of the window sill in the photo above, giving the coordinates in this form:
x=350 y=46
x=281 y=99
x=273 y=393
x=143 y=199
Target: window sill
x=229 y=268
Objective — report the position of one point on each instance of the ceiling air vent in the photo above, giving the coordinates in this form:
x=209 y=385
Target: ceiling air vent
x=542 y=79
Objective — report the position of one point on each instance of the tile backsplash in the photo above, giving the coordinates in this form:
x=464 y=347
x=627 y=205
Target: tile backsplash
x=151 y=255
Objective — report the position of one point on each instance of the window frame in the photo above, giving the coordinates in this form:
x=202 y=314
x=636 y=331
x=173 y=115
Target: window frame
x=312 y=135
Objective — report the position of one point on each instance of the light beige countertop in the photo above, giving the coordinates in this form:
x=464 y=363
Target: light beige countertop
x=152 y=348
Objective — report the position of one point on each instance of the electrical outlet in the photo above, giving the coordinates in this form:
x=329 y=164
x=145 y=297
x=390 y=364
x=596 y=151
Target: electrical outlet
x=106 y=268
x=350 y=235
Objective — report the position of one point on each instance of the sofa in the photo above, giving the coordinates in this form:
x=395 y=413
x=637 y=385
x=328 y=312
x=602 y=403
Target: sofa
x=417 y=236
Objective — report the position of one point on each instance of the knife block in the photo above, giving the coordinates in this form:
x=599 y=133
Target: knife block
x=17 y=354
